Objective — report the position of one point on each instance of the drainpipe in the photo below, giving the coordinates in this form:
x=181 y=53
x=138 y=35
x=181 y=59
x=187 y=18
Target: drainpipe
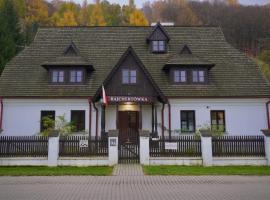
x=90 y=116
x=1 y=114
x=94 y=105
x=267 y=113
x=169 y=118
x=162 y=120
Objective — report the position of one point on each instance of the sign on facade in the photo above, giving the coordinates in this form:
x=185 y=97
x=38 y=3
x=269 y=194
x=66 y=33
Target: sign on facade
x=170 y=145
x=83 y=143
x=129 y=99
x=112 y=142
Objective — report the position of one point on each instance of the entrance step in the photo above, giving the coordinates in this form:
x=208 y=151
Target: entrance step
x=128 y=170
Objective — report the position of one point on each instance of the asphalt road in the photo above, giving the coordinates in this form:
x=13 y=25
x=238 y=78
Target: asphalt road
x=136 y=187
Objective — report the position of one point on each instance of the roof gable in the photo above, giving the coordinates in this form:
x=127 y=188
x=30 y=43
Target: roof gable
x=185 y=50
x=145 y=85
x=71 y=50
x=158 y=33
x=70 y=57
x=186 y=59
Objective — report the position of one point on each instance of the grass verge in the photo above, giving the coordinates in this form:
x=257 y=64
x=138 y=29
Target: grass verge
x=55 y=171
x=199 y=170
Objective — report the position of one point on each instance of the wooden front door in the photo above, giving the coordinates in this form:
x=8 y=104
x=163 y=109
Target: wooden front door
x=128 y=125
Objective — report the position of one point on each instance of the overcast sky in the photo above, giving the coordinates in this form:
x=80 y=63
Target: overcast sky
x=140 y=2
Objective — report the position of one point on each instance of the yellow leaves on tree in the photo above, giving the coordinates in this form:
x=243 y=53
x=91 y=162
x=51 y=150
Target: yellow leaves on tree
x=97 y=17
x=68 y=19
x=66 y=15
x=232 y=2
x=36 y=12
x=137 y=18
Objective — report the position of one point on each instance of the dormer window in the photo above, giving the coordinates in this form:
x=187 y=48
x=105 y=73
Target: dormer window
x=76 y=76
x=198 y=76
x=180 y=76
x=69 y=68
x=158 y=39
x=58 y=76
x=158 y=46
x=67 y=76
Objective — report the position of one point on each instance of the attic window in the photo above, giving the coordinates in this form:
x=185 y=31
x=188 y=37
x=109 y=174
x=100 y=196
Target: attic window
x=158 y=46
x=198 y=76
x=76 y=76
x=180 y=76
x=129 y=76
x=58 y=76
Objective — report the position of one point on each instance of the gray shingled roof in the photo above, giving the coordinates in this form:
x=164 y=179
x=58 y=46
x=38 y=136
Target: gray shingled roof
x=187 y=59
x=234 y=75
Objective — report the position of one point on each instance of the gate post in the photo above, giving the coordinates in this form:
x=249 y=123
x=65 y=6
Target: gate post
x=113 y=147
x=144 y=147
x=53 y=149
x=206 y=145
x=267 y=145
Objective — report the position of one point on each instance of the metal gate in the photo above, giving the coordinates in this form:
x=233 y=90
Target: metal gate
x=129 y=148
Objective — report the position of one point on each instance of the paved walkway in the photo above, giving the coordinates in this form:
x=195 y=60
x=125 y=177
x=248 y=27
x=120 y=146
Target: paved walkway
x=128 y=170
x=135 y=188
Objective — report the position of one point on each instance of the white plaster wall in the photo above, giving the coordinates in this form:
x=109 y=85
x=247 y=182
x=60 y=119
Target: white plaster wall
x=22 y=116
x=83 y=162
x=147 y=117
x=22 y=161
x=239 y=161
x=243 y=116
x=175 y=161
x=110 y=117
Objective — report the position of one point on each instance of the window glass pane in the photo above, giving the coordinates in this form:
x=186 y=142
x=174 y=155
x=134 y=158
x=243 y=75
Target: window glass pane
x=191 y=126
x=133 y=73
x=79 y=76
x=44 y=122
x=218 y=120
x=132 y=79
x=161 y=46
x=201 y=76
x=195 y=76
x=55 y=76
x=61 y=76
x=78 y=120
x=187 y=121
x=155 y=45
x=133 y=76
x=176 y=76
x=184 y=126
x=125 y=76
x=183 y=76
x=73 y=76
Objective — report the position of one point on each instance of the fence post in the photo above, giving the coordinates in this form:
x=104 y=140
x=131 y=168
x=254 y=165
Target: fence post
x=113 y=147
x=144 y=147
x=206 y=145
x=53 y=149
x=267 y=145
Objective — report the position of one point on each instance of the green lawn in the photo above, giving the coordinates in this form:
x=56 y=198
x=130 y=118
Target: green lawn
x=55 y=171
x=199 y=170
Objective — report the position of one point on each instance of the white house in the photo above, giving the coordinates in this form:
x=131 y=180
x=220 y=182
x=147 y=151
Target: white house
x=169 y=80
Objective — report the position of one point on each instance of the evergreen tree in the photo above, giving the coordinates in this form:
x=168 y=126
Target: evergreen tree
x=11 y=39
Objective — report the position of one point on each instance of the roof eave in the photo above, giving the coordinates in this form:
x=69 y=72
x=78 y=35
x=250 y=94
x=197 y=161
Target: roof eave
x=169 y=65
x=48 y=66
